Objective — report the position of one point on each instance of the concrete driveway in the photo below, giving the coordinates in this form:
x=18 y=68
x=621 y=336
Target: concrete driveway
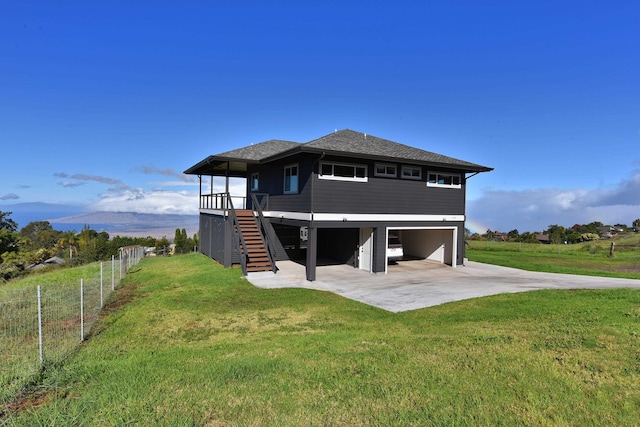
x=419 y=284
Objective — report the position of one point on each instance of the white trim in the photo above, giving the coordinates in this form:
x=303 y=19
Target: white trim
x=219 y=212
x=300 y=216
x=344 y=178
x=435 y=184
x=345 y=217
x=284 y=179
x=257 y=180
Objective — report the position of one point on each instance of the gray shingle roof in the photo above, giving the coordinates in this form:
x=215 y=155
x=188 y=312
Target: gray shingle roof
x=260 y=151
x=344 y=143
x=351 y=142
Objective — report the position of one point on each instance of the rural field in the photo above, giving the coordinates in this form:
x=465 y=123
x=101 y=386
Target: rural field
x=183 y=341
x=590 y=258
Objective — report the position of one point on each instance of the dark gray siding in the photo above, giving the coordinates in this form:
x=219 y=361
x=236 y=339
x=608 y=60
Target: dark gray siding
x=271 y=178
x=386 y=195
x=377 y=196
x=212 y=236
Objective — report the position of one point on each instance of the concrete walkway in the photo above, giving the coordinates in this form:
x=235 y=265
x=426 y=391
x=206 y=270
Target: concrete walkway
x=419 y=284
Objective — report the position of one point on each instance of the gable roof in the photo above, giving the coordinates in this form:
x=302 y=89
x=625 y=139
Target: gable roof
x=347 y=143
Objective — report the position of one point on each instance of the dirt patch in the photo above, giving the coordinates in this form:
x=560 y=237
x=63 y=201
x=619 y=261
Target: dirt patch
x=25 y=401
x=123 y=297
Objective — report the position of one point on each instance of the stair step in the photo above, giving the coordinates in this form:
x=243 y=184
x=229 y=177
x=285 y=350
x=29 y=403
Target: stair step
x=258 y=258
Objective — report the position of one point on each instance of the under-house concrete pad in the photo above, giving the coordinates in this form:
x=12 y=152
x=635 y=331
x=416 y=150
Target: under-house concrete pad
x=412 y=285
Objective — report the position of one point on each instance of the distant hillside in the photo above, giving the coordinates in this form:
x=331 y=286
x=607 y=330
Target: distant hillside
x=70 y=217
x=129 y=223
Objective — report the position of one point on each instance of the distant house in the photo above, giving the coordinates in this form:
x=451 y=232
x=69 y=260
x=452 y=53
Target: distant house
x=334 y=199
x=47 y=263
x=605 y=232
x=543 y=238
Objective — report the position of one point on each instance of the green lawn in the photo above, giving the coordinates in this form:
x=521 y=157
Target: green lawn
x=591 y=259
x=186 y=342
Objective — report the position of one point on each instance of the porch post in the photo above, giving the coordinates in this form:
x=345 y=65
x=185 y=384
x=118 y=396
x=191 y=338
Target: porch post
x=200 y=192
x=226 y=184
x=228 y=232
x=312 y=253
x=379 y=250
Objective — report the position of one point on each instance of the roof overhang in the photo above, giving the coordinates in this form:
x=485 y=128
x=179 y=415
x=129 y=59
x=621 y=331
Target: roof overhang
x=220 y=166
x=391 y=159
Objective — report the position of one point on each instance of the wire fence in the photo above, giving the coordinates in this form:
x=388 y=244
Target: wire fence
x=41 y=325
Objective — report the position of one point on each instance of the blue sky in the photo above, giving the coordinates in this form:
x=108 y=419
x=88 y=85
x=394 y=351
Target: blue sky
x=103 y=104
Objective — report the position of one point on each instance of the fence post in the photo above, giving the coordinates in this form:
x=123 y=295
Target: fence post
x=101 y=287
x=113 y=273
x=81 y=311
x=40 y=325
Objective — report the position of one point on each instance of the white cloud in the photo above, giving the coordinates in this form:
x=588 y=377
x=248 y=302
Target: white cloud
x=536 y=209
x=158 y=201
x=150 y=202
x=152 y=170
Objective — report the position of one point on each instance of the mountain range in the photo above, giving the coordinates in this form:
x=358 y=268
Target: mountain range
x=67 y=217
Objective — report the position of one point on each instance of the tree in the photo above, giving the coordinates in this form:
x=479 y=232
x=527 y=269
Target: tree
x=7 y=223
x=514 y=234
x=69 y=239
x=556 y=233
x=40 y=235
x=636 y=224
x=182 y=242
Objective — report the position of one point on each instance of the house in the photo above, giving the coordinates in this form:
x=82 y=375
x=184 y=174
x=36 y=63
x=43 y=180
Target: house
x=543 y=238
x=335 y=199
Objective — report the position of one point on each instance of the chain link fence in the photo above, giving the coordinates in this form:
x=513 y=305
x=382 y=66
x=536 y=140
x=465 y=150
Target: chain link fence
x=41 y=325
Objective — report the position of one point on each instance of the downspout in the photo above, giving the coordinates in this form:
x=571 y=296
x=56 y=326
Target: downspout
x=464 y=224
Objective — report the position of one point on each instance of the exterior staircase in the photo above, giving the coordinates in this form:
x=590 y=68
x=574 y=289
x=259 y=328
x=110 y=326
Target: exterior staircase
x=257 y=257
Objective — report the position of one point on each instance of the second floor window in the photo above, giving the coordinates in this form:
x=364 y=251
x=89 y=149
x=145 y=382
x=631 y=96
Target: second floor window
x=343 y=172
x=386 y=170
x=291 y=179
x=444 y=180
x=255 y=182
x=411 y=172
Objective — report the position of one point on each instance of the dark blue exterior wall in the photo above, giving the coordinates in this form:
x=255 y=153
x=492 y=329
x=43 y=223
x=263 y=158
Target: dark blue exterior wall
x=376 y=196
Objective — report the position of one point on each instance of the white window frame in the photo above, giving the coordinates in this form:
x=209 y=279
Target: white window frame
x=385 y=174
x=406 y=167
x=443 y=174
x=297 y=175
x=343 y=178
x=255 y=181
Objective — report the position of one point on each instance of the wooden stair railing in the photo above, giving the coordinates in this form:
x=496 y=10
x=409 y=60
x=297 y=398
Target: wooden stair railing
x=257 y=256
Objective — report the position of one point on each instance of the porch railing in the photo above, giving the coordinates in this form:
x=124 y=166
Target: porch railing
x=222 y=201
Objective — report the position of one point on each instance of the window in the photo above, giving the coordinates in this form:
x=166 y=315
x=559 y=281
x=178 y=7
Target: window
x=291 y=179
x=446 y=180
x=343 y=172
x=411 y=172
x=386 y=170
x=254 y=181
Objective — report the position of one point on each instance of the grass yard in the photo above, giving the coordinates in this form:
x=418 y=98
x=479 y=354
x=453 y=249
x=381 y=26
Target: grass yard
x=591 y=259
x=186 y=342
